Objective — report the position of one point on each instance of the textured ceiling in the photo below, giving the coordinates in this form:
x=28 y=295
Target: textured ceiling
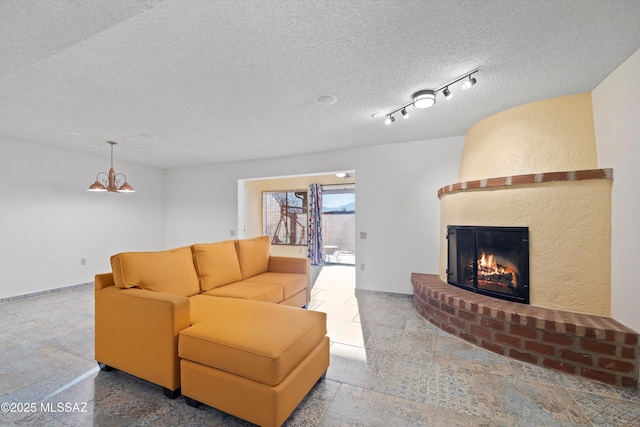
x=197 y=81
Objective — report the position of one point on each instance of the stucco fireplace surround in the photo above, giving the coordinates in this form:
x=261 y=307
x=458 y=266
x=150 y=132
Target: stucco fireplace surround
x=535 y=167
x=491 y=261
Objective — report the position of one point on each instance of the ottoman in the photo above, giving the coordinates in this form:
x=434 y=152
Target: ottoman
x=257 y=364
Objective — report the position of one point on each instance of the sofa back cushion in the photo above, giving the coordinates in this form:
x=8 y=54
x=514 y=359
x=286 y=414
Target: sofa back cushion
x=216 y=264
x=170 y=272
x=253 y=255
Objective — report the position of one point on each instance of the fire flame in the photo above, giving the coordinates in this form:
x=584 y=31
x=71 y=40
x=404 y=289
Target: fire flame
x=488 y=263
x=490 y=272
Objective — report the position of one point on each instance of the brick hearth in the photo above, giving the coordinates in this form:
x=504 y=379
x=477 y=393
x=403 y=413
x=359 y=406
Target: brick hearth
x=591 y=346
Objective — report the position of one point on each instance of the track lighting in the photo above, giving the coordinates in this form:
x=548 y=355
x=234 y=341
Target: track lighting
x=427 y=98
x=466 y=85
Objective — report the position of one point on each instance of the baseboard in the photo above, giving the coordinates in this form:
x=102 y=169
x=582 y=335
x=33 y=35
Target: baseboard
x=46 y=292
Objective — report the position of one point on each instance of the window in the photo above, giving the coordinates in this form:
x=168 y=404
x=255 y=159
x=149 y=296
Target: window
x=284 y=217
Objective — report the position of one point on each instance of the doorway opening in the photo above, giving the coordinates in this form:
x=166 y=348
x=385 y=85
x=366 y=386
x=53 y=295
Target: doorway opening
x=339 y=224
x=256 y=197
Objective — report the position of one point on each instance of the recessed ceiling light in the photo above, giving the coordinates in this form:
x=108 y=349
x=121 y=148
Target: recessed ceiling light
x=326 y=99
x=142 y=150
x=130 y=138
x=93 y=145
x=73 y=132
x=147 y=135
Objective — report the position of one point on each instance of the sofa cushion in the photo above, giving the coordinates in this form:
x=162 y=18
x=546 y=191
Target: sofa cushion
x=253 y=255
x=291 y=283
x=216 y=264
x=171 y=272
x=262 y=342
x=249 y=290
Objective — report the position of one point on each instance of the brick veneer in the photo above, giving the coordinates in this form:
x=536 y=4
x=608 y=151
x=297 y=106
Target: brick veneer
x=591 y=346
x=533 y=178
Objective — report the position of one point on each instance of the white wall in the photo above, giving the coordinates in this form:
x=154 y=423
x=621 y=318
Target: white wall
x=616 y=111
x=396 y=194
x=48 y=221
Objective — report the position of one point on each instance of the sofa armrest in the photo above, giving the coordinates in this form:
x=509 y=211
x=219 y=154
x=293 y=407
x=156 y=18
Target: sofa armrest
x=103 y=280
x=137 y=332
x=280 y=264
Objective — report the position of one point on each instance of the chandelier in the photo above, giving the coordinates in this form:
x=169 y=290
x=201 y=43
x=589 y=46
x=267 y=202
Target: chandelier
x=111 y=180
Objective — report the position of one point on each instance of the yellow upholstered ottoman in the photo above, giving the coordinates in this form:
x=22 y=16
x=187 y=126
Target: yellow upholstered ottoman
x=257 y=365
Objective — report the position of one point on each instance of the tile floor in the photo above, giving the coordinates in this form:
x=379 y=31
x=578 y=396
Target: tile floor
x=389 y=367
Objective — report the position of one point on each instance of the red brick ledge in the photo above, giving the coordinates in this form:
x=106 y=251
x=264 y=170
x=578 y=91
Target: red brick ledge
x=591 y=346
x=533 y=178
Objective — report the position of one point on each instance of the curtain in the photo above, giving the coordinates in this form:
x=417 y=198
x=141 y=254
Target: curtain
x=315 y=224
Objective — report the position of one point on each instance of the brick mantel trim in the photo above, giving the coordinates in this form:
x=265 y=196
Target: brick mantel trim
x=533 y=178
x=591 y=346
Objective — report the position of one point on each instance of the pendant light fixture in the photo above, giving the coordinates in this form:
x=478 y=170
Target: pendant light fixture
x=112 y=179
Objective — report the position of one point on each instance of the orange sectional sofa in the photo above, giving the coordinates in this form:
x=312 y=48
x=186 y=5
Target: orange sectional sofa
x=229 y=311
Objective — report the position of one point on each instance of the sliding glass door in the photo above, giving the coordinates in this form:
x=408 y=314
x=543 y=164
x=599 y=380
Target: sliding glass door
x=339 y=225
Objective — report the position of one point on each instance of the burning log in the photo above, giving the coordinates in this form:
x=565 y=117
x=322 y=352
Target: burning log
x=492 y=273
x=500 y=279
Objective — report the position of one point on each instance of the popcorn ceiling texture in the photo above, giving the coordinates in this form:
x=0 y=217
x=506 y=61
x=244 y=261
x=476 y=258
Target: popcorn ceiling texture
x=569 y=221
x=221 y=81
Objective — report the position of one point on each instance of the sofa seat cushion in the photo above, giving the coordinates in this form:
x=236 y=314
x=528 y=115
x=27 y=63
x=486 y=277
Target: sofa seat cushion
x=170 y=272
x=249 y=290
x=253 y=255
x=217 y=264
x=254 y=340
x=291 y=283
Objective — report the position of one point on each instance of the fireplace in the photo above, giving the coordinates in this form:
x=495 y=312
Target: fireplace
x=493 y=261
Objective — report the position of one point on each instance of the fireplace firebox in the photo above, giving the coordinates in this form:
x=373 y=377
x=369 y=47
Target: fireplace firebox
x=493 y=261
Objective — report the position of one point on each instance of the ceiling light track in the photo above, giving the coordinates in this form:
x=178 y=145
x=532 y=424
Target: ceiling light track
x=427 y=98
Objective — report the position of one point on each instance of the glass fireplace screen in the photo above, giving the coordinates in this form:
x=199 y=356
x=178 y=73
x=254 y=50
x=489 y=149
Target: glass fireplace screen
x=492 y=261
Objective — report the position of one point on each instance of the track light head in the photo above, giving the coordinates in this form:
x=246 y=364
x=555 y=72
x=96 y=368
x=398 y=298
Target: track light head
x=404 y=113
x=390 y=119
x=467 y=84
x=424 y=99
x=447 y=93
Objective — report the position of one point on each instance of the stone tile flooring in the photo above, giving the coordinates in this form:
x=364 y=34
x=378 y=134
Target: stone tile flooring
x=389 y=367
